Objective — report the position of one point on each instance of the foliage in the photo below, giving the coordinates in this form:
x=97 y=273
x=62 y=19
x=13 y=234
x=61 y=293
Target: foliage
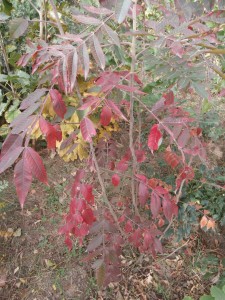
x=215 y=294
x=114 y=199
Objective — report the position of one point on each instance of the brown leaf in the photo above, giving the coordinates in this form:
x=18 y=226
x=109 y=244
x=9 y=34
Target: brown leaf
x=203 y=221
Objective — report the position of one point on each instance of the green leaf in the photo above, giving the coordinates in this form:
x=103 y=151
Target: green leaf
x=188 y=298
x=17 y=27
x=206 y=106
x=7 y=6
x=223 y=288
x=206 y=297
x=12 y=112
x=4 y=130
x=217 y=293
x=200 y=89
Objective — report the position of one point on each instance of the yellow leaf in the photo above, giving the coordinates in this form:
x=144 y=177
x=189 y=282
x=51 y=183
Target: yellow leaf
x=48 y=110
x=73 y=101
x=81 y=151
x=36 y=132
x=4 y=130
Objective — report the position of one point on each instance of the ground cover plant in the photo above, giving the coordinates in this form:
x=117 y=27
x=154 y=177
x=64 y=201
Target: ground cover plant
x=124 y=88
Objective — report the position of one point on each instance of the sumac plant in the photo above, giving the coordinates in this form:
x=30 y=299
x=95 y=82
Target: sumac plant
x=125 y=47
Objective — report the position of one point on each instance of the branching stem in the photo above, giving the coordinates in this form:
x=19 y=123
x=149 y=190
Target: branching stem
x=103 y=188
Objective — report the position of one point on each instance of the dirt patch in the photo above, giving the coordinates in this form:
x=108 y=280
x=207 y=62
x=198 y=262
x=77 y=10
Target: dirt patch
x=35 y=263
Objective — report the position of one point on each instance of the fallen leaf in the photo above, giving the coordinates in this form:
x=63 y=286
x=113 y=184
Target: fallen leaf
x=49 y=263
x=203 y=221
x=17 y=233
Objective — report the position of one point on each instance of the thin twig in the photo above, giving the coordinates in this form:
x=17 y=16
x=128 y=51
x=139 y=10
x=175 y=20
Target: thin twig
x=41 y=25
x=131 y=129
x=57 y=17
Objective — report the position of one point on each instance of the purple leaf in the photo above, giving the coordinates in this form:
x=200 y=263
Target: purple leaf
x=87 y=20
x=9 y=158
x=86 y=60
x=121 y=10
x=100 y=54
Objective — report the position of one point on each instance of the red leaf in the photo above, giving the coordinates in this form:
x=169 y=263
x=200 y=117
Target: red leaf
x=143 y=193
x=122 y=165
x=140 y=155
x=53 y=133
x=154 y=138
x=171 y=158
x=88 y=216
x=86 y=190
x=35 y=164
x=186 y=174
x=58 y=103
x=128 y=227
x=115 y=109
x=183 y=138
x=90 y=101
x=77 y=179
x=155 y=204
x=87 y=129
x=9 y=158
x=169 y=98
x=169 y=209
x=141 y=177
x=105 y=116
x=136 y=238
x=115 y=180
x=22 y=180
